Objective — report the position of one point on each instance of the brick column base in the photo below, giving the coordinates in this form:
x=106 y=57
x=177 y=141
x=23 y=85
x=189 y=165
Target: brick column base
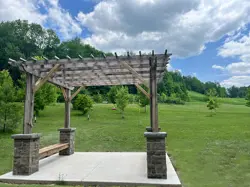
x=67 y=135
x=26 y=153
x=156 y=155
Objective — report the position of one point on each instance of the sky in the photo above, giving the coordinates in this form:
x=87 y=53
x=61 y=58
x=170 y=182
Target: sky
x=209 y=39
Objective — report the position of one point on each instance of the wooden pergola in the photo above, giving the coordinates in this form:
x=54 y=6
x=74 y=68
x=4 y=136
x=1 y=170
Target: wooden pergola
x=81 y=72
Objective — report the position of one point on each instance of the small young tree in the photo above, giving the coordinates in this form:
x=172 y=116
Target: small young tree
x=143 y=100
x=112 y=94
x=122 y=99
x=83 y=103
x=10 y=114
x=212 y=104
x=248 y=97
x=163 y=97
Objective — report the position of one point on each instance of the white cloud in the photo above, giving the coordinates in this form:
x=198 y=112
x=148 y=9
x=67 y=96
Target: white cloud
x=54 y=16
x=236 y=81
x=218 y=67
x=181 y=26
x=21 y=9
x=237 y=47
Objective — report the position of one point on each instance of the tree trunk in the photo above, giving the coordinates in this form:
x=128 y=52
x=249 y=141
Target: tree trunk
x=122 y=114
x=145 y=108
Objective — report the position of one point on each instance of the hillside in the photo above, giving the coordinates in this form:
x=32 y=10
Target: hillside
x=197 y=97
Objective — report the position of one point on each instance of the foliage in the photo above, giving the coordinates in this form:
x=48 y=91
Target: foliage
x=45 y=95
x=97 y=98
x=212 y=104
x=163 y=98
x=172 y=85
x=112 y=94
x=248 y=97
x=122 y=99
x=10 y=114
x=211 y=92
x=143 y=100
x=83 y=103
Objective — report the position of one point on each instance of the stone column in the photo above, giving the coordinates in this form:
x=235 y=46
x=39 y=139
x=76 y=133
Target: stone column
x=26 y=153
x=156 y=155
x=67 y=135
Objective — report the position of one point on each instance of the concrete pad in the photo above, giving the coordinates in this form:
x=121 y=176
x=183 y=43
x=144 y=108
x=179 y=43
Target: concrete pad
x=96 y=168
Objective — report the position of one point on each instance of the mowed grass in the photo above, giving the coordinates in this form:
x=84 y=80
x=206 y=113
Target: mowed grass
x=206 y=151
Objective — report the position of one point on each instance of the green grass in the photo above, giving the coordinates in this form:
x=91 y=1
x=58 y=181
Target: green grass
x=197 y=97
x=206 y=151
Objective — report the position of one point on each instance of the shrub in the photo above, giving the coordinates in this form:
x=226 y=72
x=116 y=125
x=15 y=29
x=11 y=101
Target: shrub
x=83 y=103
x=122 y=98
x=97 y=98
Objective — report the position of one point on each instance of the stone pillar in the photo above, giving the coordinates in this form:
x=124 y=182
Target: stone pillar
x=67 y=135
x=156 y=155
x=26 y=153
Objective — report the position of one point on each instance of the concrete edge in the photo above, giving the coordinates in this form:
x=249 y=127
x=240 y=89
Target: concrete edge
x=78 y=183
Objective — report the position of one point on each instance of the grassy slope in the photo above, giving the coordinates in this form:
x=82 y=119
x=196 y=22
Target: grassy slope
x=197 y=97
x=207 y=151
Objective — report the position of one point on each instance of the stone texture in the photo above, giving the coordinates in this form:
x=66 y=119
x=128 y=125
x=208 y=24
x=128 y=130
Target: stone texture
x=67 y=135
x=26 y=153
x=156 y=155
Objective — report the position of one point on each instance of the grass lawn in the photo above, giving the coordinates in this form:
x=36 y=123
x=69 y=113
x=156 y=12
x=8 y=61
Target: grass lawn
x=206 y=151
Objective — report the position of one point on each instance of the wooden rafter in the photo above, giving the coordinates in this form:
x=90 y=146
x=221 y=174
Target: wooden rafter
x=41 y=81
x=142 y=90
x=94 y=71
x=77 y=92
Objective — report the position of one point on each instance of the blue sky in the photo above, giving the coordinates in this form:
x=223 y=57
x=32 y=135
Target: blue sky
x=208 y=39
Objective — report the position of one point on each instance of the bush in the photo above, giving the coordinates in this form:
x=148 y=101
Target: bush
x=122 y=99
x=83 y=103
x=97 y=98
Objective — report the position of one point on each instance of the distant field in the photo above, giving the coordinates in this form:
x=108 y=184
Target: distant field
x=206 y=151
x=197 y=97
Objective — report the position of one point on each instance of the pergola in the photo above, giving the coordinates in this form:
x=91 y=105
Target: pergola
x=82 y=72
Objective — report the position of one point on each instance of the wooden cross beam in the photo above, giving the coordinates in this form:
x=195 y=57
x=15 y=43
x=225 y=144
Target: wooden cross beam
x=77 y=91
x=142 y=90
x=41 y=81
x=134 y=73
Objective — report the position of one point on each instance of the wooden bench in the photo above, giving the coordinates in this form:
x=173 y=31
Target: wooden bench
x=52 y=149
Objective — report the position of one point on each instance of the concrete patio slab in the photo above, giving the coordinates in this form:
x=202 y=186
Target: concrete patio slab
x=95 y=168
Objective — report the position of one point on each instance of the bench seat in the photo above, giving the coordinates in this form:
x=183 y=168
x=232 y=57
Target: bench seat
x=52 y=149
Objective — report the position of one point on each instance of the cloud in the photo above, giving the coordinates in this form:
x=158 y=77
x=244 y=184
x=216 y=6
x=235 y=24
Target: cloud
x=237 y=47
x=181 y=26
x=218 y=67
x=236 y=81
x=16 y=9
x=54 y=16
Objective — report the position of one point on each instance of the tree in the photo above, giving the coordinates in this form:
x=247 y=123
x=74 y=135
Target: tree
x=212 y=104
x=10 y=114
x=143 y=100
x=248 y=97
x=83 y=103
x=122 y=98
x=112 y=94
x=97 y=98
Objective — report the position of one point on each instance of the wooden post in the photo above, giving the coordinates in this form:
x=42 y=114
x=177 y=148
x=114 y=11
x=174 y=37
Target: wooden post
x=29 y=104
x=67 y=109
x=153 y=95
